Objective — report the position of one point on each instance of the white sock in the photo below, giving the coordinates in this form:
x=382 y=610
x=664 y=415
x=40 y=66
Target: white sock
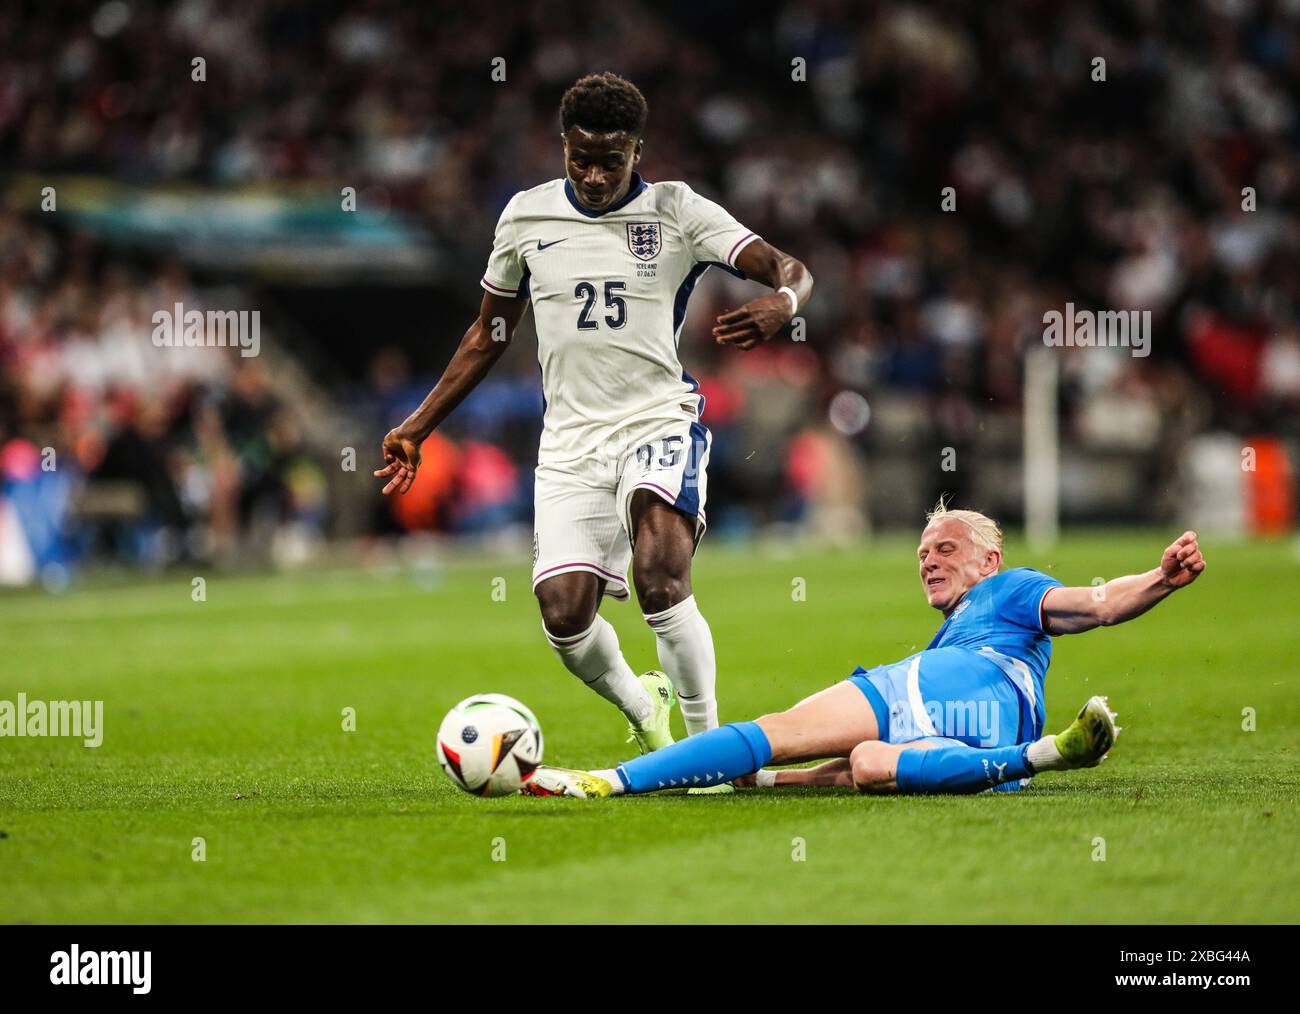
x=1043 y=755
x=611 y=776
x=594 y=657
x=686 y=654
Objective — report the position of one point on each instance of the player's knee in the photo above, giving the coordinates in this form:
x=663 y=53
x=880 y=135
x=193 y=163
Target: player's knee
x=871 y=768
x=660 y=590
x=565 y=617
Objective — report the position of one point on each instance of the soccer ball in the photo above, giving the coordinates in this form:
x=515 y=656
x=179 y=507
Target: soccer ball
x=490 y=744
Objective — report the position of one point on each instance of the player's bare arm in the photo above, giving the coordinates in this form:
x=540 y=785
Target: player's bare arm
x=761 y=318
x=1075 y=610
x=479 y=349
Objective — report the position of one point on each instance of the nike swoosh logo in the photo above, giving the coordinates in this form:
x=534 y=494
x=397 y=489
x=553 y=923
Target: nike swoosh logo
x=543 y=246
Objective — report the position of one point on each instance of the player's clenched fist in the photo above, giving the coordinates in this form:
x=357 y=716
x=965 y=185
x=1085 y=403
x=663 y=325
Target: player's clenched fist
x=1182 y=561
x=402 y=459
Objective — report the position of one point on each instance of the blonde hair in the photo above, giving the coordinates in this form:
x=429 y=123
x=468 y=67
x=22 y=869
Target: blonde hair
x=984 y=531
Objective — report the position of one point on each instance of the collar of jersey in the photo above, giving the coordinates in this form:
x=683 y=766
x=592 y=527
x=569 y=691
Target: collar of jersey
x=633 y=191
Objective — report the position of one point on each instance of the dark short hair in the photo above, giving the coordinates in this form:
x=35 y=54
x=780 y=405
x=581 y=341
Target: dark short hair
x=604 y=104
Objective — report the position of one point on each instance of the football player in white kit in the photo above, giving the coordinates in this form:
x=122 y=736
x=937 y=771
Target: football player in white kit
x=608 y=261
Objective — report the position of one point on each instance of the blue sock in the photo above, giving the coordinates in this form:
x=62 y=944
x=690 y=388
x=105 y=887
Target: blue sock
x=960 y=768
x=708 y=758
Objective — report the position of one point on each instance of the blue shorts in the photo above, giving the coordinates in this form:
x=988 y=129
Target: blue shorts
x=947 y=697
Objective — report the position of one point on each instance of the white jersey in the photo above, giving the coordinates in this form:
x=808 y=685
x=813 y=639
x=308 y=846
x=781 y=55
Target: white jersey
x=609 y=292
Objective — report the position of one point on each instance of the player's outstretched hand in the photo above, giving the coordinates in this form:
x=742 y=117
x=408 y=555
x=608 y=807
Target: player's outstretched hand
x=754 y=322
x=1182 y=562
x=402 y=459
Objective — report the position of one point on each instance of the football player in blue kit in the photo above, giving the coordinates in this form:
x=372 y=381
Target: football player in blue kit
x=964 y=715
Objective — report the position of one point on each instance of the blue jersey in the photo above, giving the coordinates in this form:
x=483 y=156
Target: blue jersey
x=1003 y=613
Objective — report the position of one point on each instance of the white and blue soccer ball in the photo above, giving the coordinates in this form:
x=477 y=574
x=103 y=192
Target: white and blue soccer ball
x=490 y=745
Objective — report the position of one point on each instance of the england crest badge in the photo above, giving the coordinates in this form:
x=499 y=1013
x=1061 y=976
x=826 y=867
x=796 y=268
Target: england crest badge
x=644 y=240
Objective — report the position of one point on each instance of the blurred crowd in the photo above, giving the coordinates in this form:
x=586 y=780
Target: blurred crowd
x=1109 y=155
x=186 y=451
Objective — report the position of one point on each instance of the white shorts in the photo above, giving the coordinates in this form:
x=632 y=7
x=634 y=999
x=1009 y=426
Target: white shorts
x=582 y=509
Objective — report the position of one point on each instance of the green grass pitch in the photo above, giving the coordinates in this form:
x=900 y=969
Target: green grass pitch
x=223 y=720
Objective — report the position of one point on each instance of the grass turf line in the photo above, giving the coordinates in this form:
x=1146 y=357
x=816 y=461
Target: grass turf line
x=223 y=721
